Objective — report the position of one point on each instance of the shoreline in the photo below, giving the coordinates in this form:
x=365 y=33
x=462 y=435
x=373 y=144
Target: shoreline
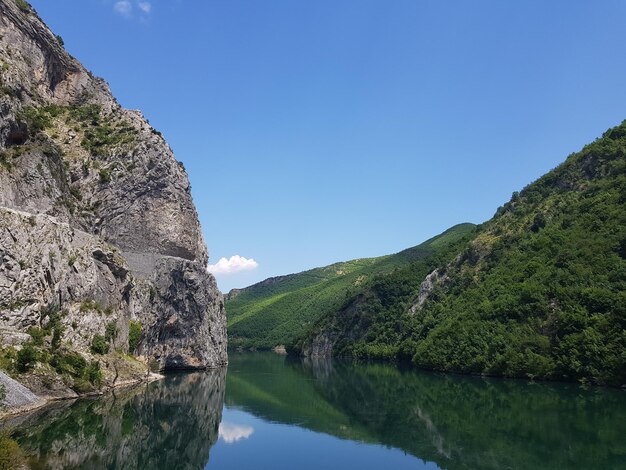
x=46 y=400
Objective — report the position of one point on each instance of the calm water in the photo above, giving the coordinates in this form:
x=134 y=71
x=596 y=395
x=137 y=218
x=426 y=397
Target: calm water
x=270 y=412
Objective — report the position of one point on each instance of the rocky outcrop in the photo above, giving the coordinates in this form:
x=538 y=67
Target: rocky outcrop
x=320 y=345
x=427 y=286
x=190 y=330
x=16 y=396
x=96 y=215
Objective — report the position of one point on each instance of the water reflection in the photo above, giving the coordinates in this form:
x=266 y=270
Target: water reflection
x=413 y=419
x=164 y=425
x=231 y=433
x=455 y=421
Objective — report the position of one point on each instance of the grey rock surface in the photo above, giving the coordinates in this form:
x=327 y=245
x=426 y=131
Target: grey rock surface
x=321 y=345
x=96 y=214
x=17 y=396
x=435 y=278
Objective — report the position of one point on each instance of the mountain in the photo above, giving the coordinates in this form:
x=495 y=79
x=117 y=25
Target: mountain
x=539 y=291
x=280 y=309
x=101 y=251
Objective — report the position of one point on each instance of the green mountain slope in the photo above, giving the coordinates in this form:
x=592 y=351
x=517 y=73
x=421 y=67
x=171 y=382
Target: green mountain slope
x=278 y=310
x=540 y=290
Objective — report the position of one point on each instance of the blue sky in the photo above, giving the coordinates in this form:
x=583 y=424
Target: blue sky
x=321 y=131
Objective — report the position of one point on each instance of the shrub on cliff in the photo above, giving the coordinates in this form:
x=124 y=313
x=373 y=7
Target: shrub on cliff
x=99 y=345
x=134 y=335
x=26 y=357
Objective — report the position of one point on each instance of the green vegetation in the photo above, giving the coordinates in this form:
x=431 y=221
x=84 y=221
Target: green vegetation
x=104 y=176
x=134 y=335
x=110 y=332
x=539 y=292
x=23 y=5
x=99 y=345
x=27 y=357
x=90 y=305
x=46 y=348
x=38 y=335
x=278 y=310
x=38 y=119
x=11 y=455
x=547 y=297
x=86 y=376
x=5 y=160
x=102 y=133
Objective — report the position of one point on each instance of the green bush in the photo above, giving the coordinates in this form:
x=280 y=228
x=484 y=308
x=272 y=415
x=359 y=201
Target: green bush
x=70 y=363
x=99 y=345
x=57 y=334
x=110 y=332
x=38 y=335
x=86 y=376
x=27 y=357
x=105 y=176
x=11 y=455
x=93 y=373
x=134 y=335
x=90 y=306
x=23 y=5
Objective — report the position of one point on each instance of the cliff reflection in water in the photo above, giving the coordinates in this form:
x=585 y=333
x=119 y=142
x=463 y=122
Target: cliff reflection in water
x=167 y=424
x=454 y=421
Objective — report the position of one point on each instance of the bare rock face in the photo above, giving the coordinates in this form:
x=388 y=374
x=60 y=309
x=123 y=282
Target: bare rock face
x=435 y=278
x=96 y=214
x=320 y=345
x=191 y=327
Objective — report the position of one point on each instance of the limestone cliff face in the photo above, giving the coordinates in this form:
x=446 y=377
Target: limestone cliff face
x=96 y=214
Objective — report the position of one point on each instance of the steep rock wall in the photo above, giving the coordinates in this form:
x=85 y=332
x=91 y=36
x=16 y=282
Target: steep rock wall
x=96 y=214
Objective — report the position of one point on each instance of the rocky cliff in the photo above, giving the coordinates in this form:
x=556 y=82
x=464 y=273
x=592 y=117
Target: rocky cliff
x=99 y=235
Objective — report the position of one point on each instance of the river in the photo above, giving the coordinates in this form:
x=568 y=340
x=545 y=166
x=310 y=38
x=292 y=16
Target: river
x=272 y=412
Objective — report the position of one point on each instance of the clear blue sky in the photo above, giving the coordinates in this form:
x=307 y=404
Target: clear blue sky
x=326 y=130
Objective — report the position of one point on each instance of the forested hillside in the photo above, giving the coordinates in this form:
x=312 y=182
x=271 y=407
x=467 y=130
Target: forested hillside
x=278 y=310
x=540 y=290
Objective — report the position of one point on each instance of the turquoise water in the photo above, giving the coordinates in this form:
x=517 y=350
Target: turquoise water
x=273 y=412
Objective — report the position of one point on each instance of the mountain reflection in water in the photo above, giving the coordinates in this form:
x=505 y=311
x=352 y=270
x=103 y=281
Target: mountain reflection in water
x=283 y=412
x=169 y=424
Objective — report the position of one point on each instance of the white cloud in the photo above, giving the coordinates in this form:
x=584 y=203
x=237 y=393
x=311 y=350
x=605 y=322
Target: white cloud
x=146 y=7
x=123 y=7
x=231 y=433
x=234 y=264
